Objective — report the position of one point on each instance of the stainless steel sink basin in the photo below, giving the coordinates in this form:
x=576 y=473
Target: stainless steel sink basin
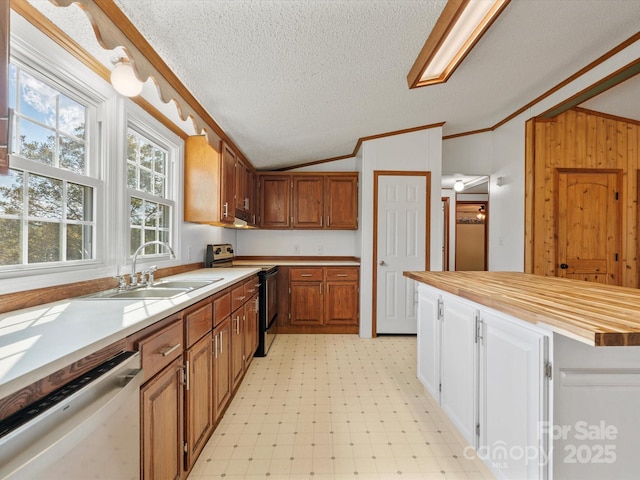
x=161 y=289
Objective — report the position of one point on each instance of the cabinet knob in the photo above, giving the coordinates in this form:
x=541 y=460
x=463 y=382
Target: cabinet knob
x=564 y=266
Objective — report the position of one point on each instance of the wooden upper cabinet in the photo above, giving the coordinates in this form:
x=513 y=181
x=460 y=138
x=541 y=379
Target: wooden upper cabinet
x=228 y=184
x=253 y=197
x=317 y=201
x=274 y=201
x=341 y=202
x=201 y=181
x=242 y=190
x=5 y=11
x=307 y=202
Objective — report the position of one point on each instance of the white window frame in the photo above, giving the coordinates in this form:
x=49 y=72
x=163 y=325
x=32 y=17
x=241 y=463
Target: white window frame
x=145 y=125
x=37 y=64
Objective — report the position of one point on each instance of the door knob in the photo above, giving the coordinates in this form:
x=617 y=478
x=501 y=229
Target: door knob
x=564 y=266
x=382 y=264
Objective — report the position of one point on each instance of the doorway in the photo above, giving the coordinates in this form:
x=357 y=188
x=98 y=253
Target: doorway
x=471 y=235
x=401 y=243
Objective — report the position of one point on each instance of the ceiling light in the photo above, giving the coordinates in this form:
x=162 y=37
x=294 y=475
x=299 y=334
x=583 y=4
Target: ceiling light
x=124 y=79
x=457 y=30
x=458 y=186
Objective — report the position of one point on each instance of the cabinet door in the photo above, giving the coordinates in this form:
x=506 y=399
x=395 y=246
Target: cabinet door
x=251 y=329
x=201 y=181
x=341 y=202
x=306 y=305
x=458 y=396
x=307 y=201
x=221 y=367
x=341 y=303
x=241 y=190
x=513 y=404
x=227 y=185
x=275 y=193
x=429 y=340
x=162 y=424
x=251 y=194
x=198 y=398
x=237 y=346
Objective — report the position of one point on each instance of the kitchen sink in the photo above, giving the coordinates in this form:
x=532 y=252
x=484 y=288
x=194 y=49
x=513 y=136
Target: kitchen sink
x=161 y=289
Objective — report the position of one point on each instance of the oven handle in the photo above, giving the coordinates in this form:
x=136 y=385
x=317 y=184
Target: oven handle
x=27 y=451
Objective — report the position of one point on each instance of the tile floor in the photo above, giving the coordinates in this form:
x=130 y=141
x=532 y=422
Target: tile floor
x=334 y=407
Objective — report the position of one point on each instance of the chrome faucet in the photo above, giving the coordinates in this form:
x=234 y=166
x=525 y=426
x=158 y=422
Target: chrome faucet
x=134 y=275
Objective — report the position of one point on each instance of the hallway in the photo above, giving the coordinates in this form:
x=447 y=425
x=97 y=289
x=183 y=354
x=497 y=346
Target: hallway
x=334 y=407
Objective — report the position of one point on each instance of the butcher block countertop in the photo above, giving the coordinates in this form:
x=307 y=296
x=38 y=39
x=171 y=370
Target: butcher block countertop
x=596 y=314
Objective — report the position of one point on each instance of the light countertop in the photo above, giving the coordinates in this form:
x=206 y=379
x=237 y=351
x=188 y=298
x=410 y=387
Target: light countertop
x=37 y=341
x=596 y=314
x=299 y=263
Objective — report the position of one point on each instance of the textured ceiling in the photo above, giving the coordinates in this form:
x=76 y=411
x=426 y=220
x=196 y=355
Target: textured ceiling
x=293 y=81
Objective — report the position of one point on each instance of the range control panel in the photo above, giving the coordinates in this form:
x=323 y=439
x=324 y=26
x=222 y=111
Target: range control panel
x=223 y=251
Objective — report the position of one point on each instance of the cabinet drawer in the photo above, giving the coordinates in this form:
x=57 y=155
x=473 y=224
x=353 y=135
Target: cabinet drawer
x=305 y=274
x=221 y=307
x=251 y=287
x=341 y=273
x=237 y=297
x=197 y=322
x=161 y=348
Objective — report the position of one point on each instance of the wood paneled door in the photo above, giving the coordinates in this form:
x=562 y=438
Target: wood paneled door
x=588 y=226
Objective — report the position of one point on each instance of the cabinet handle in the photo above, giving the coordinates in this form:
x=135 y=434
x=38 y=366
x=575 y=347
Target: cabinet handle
x=341 y=275
x=246 y=203
x=320 y=220
x=328 y=221
x=256 y=305
x=305 y=275
x=321 y=289
x=186 y=375
x=238 y=325
x=226 y=209
x=221 y=341
x=241 y=298
x=167 y=351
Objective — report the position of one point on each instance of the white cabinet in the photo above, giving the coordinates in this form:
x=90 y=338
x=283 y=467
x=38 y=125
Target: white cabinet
x=429 y=339
x=487 y=372
x=513 y=401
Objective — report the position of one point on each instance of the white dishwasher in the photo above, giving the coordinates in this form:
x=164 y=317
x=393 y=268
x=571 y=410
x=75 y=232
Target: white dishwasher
x=90 y=428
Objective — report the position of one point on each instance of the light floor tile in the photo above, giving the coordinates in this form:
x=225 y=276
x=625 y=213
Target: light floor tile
x=334 y=407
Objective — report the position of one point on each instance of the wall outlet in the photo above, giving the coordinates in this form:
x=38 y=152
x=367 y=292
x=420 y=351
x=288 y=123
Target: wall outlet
x=296 y=249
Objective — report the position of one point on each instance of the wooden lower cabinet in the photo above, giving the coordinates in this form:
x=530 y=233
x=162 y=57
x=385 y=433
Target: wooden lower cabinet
x=222 y=384
x=250 y=329
x=198 y=398
x=237 y=346
x=322 y=300
x=162 y=422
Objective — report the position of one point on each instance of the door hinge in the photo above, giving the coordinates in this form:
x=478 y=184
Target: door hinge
x=478 y=327
x=289 y=316
x=185 y=447
x=548 y=370
x=616 y=257
x=440 y=387
x=185 y=375
x=477 y=429
x=617 y=196
x=440 y=309
x=289 y=290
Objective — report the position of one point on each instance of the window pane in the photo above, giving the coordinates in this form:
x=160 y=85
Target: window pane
x=72 y=155
x=13 y=79
x=11 y=251
x=71 y=118
x=163 y=216
x=37 y=100
x=149 y=236
x=135 y=240
x=132 y=148
x=150 y=214
x=79 y=202
x=45 y=197
x=136 y=211
x=164 y=236
x=160 y=161
x=11 y=193
x=145 y=181
x=146 y=155
x=158 y=186
x=44 y=242
x=132 y=172
x=36 y=143
x=79 y=242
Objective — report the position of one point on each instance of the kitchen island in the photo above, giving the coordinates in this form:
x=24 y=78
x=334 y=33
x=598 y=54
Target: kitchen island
x=541 y=376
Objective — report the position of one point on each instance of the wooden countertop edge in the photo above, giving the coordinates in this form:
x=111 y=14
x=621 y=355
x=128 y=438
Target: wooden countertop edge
x=585 y=330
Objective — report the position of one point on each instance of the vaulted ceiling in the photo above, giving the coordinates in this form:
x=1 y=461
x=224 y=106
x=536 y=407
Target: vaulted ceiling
x=294 y=81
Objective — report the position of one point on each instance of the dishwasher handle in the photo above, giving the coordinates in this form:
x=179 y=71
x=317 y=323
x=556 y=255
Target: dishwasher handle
x=27 y=451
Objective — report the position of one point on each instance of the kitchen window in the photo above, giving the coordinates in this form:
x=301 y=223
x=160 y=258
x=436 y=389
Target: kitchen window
x=47 y=201
x=149 y=168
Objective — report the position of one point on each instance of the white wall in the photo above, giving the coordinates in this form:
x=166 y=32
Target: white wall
x=470 y=154
x=415 y=151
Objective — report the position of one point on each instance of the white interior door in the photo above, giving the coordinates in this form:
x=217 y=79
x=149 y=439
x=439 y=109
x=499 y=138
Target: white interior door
x=401 y=245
